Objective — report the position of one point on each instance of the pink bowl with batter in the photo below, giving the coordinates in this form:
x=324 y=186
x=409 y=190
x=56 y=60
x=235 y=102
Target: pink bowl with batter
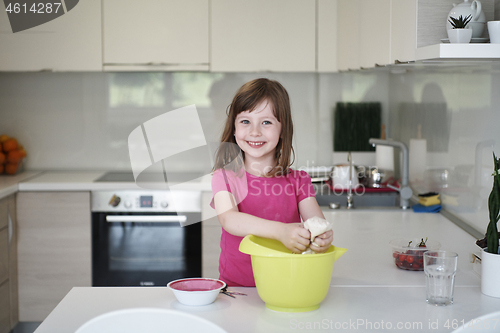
x=196 y=291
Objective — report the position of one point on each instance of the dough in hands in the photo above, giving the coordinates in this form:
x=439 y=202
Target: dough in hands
x=316 y=227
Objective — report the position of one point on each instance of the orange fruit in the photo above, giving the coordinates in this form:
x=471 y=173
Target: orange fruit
x=14 y=156
x=10 y=168
x=22 y=152
x=1 y=168
x=9 y=144
x=2 y=158
x=3 y=137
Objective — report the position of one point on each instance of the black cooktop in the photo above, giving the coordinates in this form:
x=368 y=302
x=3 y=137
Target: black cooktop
x=124 y=176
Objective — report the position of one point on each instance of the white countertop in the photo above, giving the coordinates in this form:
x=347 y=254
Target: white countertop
x=366 y=286
x=10 y=184
x=85 y=181
x=344 y=309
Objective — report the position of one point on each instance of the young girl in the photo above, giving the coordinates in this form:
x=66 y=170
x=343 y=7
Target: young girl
x=265 y=197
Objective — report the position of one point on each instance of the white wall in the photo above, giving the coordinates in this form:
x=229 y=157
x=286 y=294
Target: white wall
x=68 y=120
x=471 y=128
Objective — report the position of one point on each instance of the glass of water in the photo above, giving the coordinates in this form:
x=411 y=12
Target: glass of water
x=440 y=268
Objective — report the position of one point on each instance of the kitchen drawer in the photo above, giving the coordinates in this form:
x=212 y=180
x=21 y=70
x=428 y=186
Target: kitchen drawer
x=4 y=308
x=54 y=253
x=4 y=255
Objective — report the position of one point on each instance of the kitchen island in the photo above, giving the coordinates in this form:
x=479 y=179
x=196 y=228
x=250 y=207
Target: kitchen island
x=367 y=292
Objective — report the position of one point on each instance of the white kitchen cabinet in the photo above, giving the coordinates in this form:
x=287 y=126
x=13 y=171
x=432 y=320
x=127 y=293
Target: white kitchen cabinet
x=327 y=36
x=364 y=38
x=8 y=266
x=71 y=42
x=263 y=35
x=211 y=232
x=374 y=33
x=4 y=283
x=403 y=30
x=54 y=249
x=156 y=35
x=13 y=270
x=4 y=307
x=348 y=46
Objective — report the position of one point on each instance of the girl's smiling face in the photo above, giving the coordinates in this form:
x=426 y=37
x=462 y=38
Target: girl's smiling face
x=257 y=133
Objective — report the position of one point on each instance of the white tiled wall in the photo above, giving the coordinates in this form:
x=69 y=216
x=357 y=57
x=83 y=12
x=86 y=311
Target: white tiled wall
x=466 y=134
x=71 y=120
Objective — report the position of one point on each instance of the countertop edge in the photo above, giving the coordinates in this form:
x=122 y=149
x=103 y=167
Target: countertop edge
x=74 y=181
x=10 y=184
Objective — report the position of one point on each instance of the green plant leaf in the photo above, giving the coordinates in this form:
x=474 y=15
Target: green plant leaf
x=461 y=22
x=494 y=209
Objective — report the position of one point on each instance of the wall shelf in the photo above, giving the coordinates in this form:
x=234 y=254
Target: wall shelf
x=459 y=52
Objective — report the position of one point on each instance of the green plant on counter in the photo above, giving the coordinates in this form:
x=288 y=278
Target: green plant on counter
x=460 y=22
x=494 y=209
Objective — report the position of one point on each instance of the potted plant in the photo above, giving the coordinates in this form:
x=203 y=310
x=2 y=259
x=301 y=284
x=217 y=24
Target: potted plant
x=490 y=257
x=459 y=33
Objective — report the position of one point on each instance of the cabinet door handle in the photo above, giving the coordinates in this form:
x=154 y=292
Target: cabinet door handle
x=146 y=218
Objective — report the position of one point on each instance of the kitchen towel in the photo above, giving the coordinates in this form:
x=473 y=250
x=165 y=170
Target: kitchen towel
x=418 y=208
x=355 y=124
x=384 y=158
x=418 y=159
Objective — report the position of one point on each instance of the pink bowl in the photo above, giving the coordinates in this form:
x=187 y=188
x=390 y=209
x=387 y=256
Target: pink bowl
x=196 y=291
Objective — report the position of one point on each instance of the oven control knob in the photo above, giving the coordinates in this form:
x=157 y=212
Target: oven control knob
x=127 y=204
x=114 y=201
x=164 y=204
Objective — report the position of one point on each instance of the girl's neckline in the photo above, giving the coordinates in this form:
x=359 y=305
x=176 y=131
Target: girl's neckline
x=264 y=177
x=248 y=173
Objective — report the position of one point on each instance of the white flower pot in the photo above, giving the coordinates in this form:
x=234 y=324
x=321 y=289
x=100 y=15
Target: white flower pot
x=490 y=274
x=459 y=35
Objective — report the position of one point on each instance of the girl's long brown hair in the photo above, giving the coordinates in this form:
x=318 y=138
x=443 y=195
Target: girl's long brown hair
x=247 y=98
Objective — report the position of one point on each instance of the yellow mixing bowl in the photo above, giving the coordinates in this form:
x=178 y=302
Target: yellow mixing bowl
x=286 y=281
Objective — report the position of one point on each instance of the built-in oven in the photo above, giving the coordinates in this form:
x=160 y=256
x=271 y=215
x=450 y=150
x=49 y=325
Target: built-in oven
x=145 y=238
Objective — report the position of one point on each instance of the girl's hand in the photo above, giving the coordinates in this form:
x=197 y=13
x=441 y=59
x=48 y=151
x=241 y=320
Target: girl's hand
x=322 y=241
x=294 y=237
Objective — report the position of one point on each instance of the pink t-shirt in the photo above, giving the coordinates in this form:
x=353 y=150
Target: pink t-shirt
x=275 y=199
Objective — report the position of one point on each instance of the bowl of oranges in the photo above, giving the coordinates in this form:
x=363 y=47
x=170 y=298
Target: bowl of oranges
x=12 y=155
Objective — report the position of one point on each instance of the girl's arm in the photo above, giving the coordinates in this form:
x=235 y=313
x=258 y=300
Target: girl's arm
x=309 y=208
x=292 y=235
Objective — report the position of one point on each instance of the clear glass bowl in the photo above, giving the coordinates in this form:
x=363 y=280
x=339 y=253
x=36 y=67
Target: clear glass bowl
x=407 y=253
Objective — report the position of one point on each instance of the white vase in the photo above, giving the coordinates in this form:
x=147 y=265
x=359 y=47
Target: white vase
x=474 y=9
x=460 y=35
x=490 y=274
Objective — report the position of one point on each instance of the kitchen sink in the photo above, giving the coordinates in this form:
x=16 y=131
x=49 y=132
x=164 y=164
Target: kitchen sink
x=365 y=201
x=386 y=200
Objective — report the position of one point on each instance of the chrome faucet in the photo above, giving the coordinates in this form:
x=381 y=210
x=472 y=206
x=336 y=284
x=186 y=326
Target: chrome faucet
x=349 y=194
x=405 y=192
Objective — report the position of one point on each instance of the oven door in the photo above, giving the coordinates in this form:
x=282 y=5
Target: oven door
x=147 y=249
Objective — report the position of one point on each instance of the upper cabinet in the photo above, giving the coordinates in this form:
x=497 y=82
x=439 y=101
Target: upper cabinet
x=403 y=31
x=71 y=42
x=263 y=35
x=364 y=33
x=375 y=33
x=178 y=35
x=156 y=35
x=326 y=52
